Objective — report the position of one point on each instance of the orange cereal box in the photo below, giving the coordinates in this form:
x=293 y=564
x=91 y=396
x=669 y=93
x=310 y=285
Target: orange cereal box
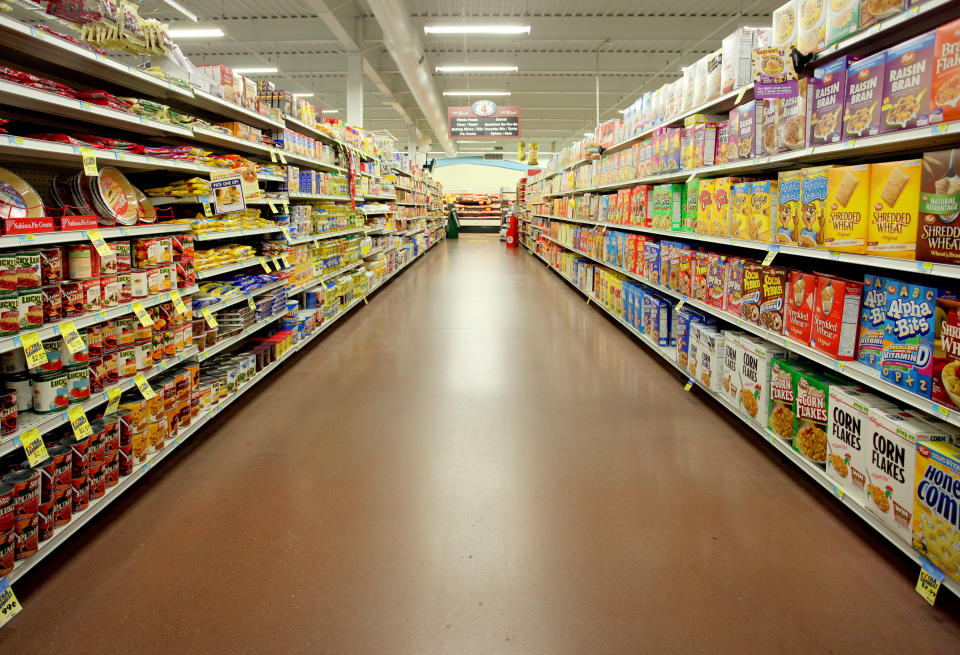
x=945 y=95
x=894 y=208
x=814 y=186
x=936 y=525
x=740 y=210
x=848 y=198
x=789 y=206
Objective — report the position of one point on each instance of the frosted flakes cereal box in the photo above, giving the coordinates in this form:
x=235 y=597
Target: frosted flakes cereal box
x=874 y=11
x=716 y=270
x=907 y=74
x=814 y=189
x=788 y=208
x=873 y=317
x=864 y=95
x=773 y=291
x=705 y=207
x=710 y=352
x=908 y=336
x=848 y=438
x=829 y=88
x=848 y=199
x=812 y=35
x=836 y=317
x=936 y=525
x=798 y=315
x=945 y=91
x=946 y=353
x=781 y=416
x=894 y=208
x=733 y=284
x=785 y=25
x=751 y=289
x=764 y=207
x=938 y=233
x=749 y=384
x=843 y=19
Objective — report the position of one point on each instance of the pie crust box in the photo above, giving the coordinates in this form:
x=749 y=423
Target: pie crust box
x=773 y=292
x=848 y=437
x=894 y=208
x=710 y=352
x=784 y=376
x=828 y=91
x=798 y=315
x=936 y=525
x=746 y=378
x=945 y=89
x=847 y=208
x=908 y=332
x=812 y=34
x=764 y=206
x=938 y=232
x=873 y=316
x=864 y=95
x=907 y=74
x=874 y=11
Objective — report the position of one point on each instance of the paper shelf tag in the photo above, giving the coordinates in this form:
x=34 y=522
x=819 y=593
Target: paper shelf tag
x=98 y=242
x=33 y=349
x=272 y=205
x=286 y=260
x=33 y=446
x=286 y=205
x=252 y=305
x=79 y=423
x=142 y=315
x=770 y=255
x=276 y=263
x=9 y=606
x=211 y=321
x=273 y=155
x=178 y=305
x=71 y=337
x=207 y=210
x=679 y=305
x=283 y=159
x=928 y=584
x=113 y=402
x=937 y=129
x=743 y=90
x=940 y=409
x=141 y=381
x=688 y=386
x=266 y=266
x=838 y=492
x=286 y=233
x=89 y=161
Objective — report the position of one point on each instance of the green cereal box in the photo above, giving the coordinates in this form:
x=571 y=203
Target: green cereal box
x=781 y=418
x=691 y=202
x=843 y=19
x=810 y=429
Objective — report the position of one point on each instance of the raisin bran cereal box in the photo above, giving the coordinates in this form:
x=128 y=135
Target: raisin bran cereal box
x=792 y=127
x=773 y=292
x=848 y=437
x=750 y=292
x=785 y=25
x=814 y=189
x=749 y=384
x=946 y=353
x=769 y=121
x=873 y=318
x=907 y=74
x=716 y=270
x=945 y=90
x=733 y=284
x=747 y=130
x=764 y=206
x=812 y=406
x=829 y=88
x=836 y=317
x=781 y=416
x=798 y=315
x=843 y=19
x=723 y=142
x=908 y=336
x=938 y=234
x=936 y=525
x=740 y=208
x=789 y=203
x=812 y=34
x=848 y=199
x=894 y=208
x=861 y=106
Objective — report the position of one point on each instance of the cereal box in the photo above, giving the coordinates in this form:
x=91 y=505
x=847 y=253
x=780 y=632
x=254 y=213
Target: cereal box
x=836 y=317
x=733 y=284
x=733 y=135
x=764 y=206
x=740 y=209
x=873 y=317
x=946 y=353
x=705 y=207
x=812 y=408
x=798 y=315
x=936 y=526
x=748 y=386
x=848 y=438
x=938 y=234
x=651 y=261
x=657 y=312
x=685 y=318
x=848 y=198
x=693 y=349
x=731 y=377
x=685 y=267
x=723 y=141
x=843 y=19
x=781 y=417
x=873 y=11
x=701 y=265
x=907 y=74
x=751 y=288
x=945 y=90
x=716 y=271
x=894 y=208
x=785 y=25
x=773 y=290
x=710 y=351
x=908 y=336
x=814 y=189
x=704 y=145
x=829 y=88
x=737 y=50
x=812 y=34
x=639 y=204
x=720 y=216
x=769 y=120
x=792 y=123
x=788 y=207
x=864 y=95
x=746 y=130
x=691 y=205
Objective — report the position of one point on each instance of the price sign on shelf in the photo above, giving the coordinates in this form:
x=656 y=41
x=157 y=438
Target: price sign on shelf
x=33 y=349
x=207 y=210
x=281 y=157
x=774 y=249
x=286 y=233
x=265 y=265
x=142 y=315
x=98 y=242
x=113 y=400
x=141 y=381
x=286 y=260
x=178 y=305
x=33 y=446
x=928 y=584
x=79 y=423
x=71 y=337
x=272 y=205
x=252 y=305
x=9 y=606
x=89 y=161
x=273 y=155
x=689 y=385
x=208 y=317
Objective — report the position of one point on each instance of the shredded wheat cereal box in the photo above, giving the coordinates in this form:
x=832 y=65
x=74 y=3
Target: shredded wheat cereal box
x=788 y=208
x=814 y=190
x=812 y=407
x=848 y=199
x=946 y=353
x=812 y=34
x=894 y=208
x=936 y=525
x=907 y=358
x=764 y=207
x=908 y=72
x=836 y=317
x=873 y=317
x=781 y=417
x=945 y=91
x=751 y=289
x=848 y=437
x=798 y=315
x=938 y=234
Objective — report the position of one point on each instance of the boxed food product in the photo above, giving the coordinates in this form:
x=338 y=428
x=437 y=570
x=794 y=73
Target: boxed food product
x=704 y=145
x=773 y=289
x=730 y=387
x=746 y=130
x=873 y=317
x=716 y=271
x=836 y=317
x=223 y=77
x=705 y=206
x=693 y=350
x=829 y=88
x=873 y=11
x=785 y=27
x=733 y=284
x=781 y=417
x=700 y=81
x=848 y=437
x=848 y=197
x=733 y=135
x=843 y=19
x=769 y=121
x=812 y=408
x=812 y=33
x=798 y=315
x=936 y=526
x=723 y=142
x=946 y=353
x=792 y=123
x=945 y=88
x=908 y=336
x=894 y=208
x=685 y=318
x=814 y=188
x=747 y=385
x=764 y=209
x=651 y=261
x=740 y=210
x=751 y=290
x=713 y=75
x=657 y=312
x=907 y=74
x=691 y=205
x=737 y=50
x=683 y=272
x=711 y=353
x=938 y=232
x=720 y=213
x=698 y=279
x=864 y=95
x=790 y=188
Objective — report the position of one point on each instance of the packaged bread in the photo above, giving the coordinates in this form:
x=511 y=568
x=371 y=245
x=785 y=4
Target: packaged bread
x=894 y=208
x=848 y=198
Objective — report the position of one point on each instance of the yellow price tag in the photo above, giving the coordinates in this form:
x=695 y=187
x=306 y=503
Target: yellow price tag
x=141 y=313
x=72 y=338
x=141 y=381
x=286 y=260
x=928 y=584
x=207 y=210
x=33 y=349
x=688 y=386
x=743 y=90
x=283 y=160
x=33 y=446
x=89 y=161
x=9 y=606
x=113 y=394
x=286 y=205
x=286 y=233
x=208 y=316
x=178 y=305
x=273 y=155
x=98 y=242
x=266 y=266
x=272 y=205
x=79 y=423
x=769 y=258
x=276 y=263
x=679 y=305
x=252 y=305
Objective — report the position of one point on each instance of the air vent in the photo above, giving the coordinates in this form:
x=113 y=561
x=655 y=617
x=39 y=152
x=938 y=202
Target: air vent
x=494 y=157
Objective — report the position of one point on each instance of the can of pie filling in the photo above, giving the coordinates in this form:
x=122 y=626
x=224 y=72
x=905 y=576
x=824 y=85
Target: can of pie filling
x=46 y=520
x=81 y=493
x=83 y=261
x=7 y=509
x=48 y=470
x=111 y=471
x=8 y=412
x=62 y=507
x=8 y=544
x=26 y=495
x=62 y=466
x=98 y=483
x=28 y=539
x=51 y=265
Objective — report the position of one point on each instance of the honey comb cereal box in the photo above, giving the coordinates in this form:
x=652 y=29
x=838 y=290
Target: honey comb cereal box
x=843 y=19
x=789 y=203
x=798 y=316
x=848 y=437
x=873 y=11
x=936 y=525
x=733 y=284
x=814 y=186
x=773 y=291
x=751 y=287
x=848 y=199
x=864 y=95
x=812 y=34
x=946 y=353
x=781 y=415
x=873 y=317
x=908 y=336
x=829 y=88
x=836 y=317
x=716 y=270
x=749 y=384
x=938 y=234
x=740 y=210
x=812 y=407
x=711 y=353
x=945 y=89
x=908 y=72
x=894 y=208
x=764 y=207
x=785 y=25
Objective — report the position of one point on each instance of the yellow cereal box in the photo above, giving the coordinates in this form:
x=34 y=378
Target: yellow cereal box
x=848 y=198
x=813 y=201
x=894 y=208
x=740 y=201
x=936 y=525
x=788 y=209
x=812 y=35
x=785 y=25
x=721 y=207
x=705 y=207
x=764 y=201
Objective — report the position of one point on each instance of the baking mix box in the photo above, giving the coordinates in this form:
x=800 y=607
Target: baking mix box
x=938 y=230
x=836 y=317
x=894 y=208
x=861 y=106
x=789 y=207
x=828 y=91
x=946 y=353
x=907 y=74
x=907 y=358
x=936 y=524
x=764 y=208
x=847 y=208
x=945 y=88
x=798 y=314
x=814 y=185
x=873 y=318
x=781 y=415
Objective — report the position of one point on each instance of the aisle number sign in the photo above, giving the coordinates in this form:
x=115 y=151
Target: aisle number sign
x=484 y=119
x=9 y=607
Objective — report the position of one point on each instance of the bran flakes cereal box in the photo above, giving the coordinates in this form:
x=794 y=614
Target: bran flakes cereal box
x=790 y=187
x=764 y=207
x=733 y=284
x=716 y=270
x=751 y=288
x=864 y=95
x=836 y=317
x=907 y=74
x=843 y=19
x=829 y=89
x=873 y=318
x=814 y=186
x=874 y=11
x=945 y=89
x=749 y=384
x=798 y=315
x=781 y=416
x=813 y=412
x=946 y=353
x=812 y=34
x=938 y=233
x=936 y=525
x=785 y=25
x=908 y=336
x=773 y=292
x=740 y=210
x=894 y=208
x=848 y=437
x=848 y=199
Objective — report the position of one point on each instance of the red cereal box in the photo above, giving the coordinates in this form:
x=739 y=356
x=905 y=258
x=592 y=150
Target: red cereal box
x=716 y=270
x=836 y=317
x=798 y=316
x=773 y=292
x=701 y=264
x=685 y=264
x=945 y=89
x=733 y=284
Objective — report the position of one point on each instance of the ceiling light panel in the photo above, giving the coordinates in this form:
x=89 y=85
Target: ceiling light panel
x=195 y=32
x=477 y=69
x=476 y=93
x=476 y=29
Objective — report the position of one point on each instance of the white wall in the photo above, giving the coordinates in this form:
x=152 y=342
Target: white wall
x=472 y=178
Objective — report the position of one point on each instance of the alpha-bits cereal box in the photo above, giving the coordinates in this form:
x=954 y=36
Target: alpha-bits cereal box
x=936 y=526
x=751 y=289
x=843 y=19
x=781 y=417
x=938 y=234
x=814 y=190
x=740 y=210
x=908 y=336
x=848 y=199
x=812 y=407
x=848 y=438
x=747 y=383
x=788 y=207
x=798 y=315
x=873 y=318
x=764 y=207
x=785 y=25
x=945 y=98
x=894 y=208
x=861 y=107
x=829 y=88
x=812 y=34
x=836 y=317
x=946 y=353
x=733 y=284
x=773 y=291
x=908 y=72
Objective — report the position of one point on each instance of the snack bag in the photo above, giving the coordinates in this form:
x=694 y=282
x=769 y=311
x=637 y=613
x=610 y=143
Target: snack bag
x=907 y=74
x=814 y=187
x=848 y=198
x=764 y=209
x=894 y=208
x=788 y=208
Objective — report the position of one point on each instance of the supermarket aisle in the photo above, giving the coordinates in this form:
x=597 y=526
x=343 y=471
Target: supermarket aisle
x=476 y=462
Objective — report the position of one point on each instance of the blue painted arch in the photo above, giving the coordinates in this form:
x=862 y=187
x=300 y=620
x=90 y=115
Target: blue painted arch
x=480 y=161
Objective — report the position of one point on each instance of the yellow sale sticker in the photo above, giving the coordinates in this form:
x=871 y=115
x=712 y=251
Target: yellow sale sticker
x=272 y=205
x=9 y=606
x=286 y=233
x=928 y=584
x=208 y=316
x=33 y=446
x=276 y=263
x=283 y=160
x=178 y=305
x=207 y=210
x=79 y=423
x=273 y=155
x=142 y=315
x=113 y=394
x=266 y=266
x=71 y=337
x=141 y=381
x=252 y=305
x=89 y=161
x=98 y=242
x=33 y=349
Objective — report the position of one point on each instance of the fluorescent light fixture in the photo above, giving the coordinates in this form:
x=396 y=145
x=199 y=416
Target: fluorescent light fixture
x=621 y=111
x=477 y=69
x=468 y=141
x=181 y=9
x=195 y=32
x=476 y=29
x=255 y=69
x=329 y=111
x=588 y=134
x=302 y=95
x=476 y=93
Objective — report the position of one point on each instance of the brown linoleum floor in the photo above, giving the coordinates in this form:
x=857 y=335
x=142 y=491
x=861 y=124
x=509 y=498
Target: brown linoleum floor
x=478 y=462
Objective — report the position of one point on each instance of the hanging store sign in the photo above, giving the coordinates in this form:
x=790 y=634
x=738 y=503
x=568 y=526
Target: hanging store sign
x=484 y=120
x=227 y=187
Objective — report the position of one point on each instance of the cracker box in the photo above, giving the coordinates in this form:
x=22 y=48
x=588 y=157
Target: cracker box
x=946 y=353
x=848 y=199
x=907 y=74
x=705 y=206
x=938 y=233
x=894 y=208
x=733 y=135
x=747 y=130
x=698 y=283
x=792 y=124
x=908 y=336
x=773 y=291
x=812 y=408
x=764 y=204
x=812 y=32
x=945 y=89
x=873 y=317
x=849 y=433
x=814 y=190
x=864 y=96
x=798 y=315
x=685 y=318
x=936 y=525
x=768 y=111
x=843 y=19
x=874 y=12
x=836 y=317
x=785 y=25
x=781 y=416
x=790 y=199
x=748 y=386
x=828 y=91
x=751 y=288
x=710 y=352
x=716 y=271
x=733 y=284
x=720 y=215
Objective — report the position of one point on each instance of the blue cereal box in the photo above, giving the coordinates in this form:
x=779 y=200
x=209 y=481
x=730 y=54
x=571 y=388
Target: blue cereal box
x=908 y=331
x=684 y=319
x=873 y=317
x=651 y=261
x=657 y=312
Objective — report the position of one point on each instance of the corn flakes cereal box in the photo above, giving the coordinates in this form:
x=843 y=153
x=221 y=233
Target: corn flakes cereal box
x=751 y=289
x=907 y=359
x=782 y=412
x=711 y=352
x=746 y=382
x=705 y=207
x=864 y=96
x=848 y=197
x=715 y=294
x=873 y=317
x=773 y=291
x=733 y=284
x=848 y=437
x=945 y=89
x=814 y=189
x=843 y=19
x=764 y=209
x=936 y=525
x=698 y=288
x=798 y=315
x=790 y=187
x=828 y=92
x=938 y=234
x=730 y=386
x=691 y=204
x=907 y=74
x=812 y=33
x=785 y=25
x=894 y=208
x=874 y=11
x=836 y=317
x=693 y=350
x=946 y=353
x=812 y=408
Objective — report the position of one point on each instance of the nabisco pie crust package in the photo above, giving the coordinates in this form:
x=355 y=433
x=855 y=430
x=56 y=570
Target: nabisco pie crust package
x=945 y=89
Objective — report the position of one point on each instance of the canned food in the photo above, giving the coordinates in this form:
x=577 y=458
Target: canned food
x=51 y=265
x=150 y=252
x=81 y=493
x=45 y=520
x=141 y=333
x=9 y=279
x=194 y=403
x=62 y=466
x=122 y=251
x=186 y=274
x=13 y=361
x=132 y=414
x=125 y=330
x=47 y=470
x=78 y=455
x=62 y=507
x=94 y=340
x=71 y=294
x=8 y=546
x=9 y=314
x=26 y=495
x=156 y=433
x=81 y=356
x=98 y=483
x=154 y=277
x=111 y=370
x=8 y=412
x=183 y=249
x=78 y=382
x=50 y=392
x=28 y=539
x=138 y=283
x=23 y=386
x=108 y=263
x=28 y=269
x=173 y=423
x=144 y=356
x=7 y=511
x=110 y=291
x=83 y=261
x=183 y=413
x=126 y=287
x=90 y=294
x=53 y=347
x=111 y=472
x=31 y=309
x=127 y=362
x=95 y=365
x=167 y=278
x=138 y=443
x=52 y=303
x=108 y=335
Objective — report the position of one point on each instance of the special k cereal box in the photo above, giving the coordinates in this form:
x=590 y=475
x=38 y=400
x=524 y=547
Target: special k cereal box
x=764 y=208
x=861 y=112
x=781 y=417
x=873 y=318
x=740 y=209
x=785 y=25
x=945 y=91
x=814 y=185
x=733 y=284
x=936 y=525
x=705 y=207
x=894 y=208
x=788 y=208
x=848 y=199
x=848 y=438
x=812 y=35
x=716 y=270
x=938 y=235
x=798 y=316
x=751 y=288
x=908 y=72
x=836 y=317
x=946 y=353
x=908 y=336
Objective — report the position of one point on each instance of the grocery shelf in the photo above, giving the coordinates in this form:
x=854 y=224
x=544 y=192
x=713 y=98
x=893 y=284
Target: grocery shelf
x=370 y=196
x=198 y=200
x=377 y=210
x=316 y=196
x=324 y=235
x=411 y=204
x=229 y=268
x=308 y=130
x=217 y=235
x=220 y=107
x=234 y=339
x=311 y=162
x=70 y=236
x=240 y=297
x=215 y=138
x=413 y=232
